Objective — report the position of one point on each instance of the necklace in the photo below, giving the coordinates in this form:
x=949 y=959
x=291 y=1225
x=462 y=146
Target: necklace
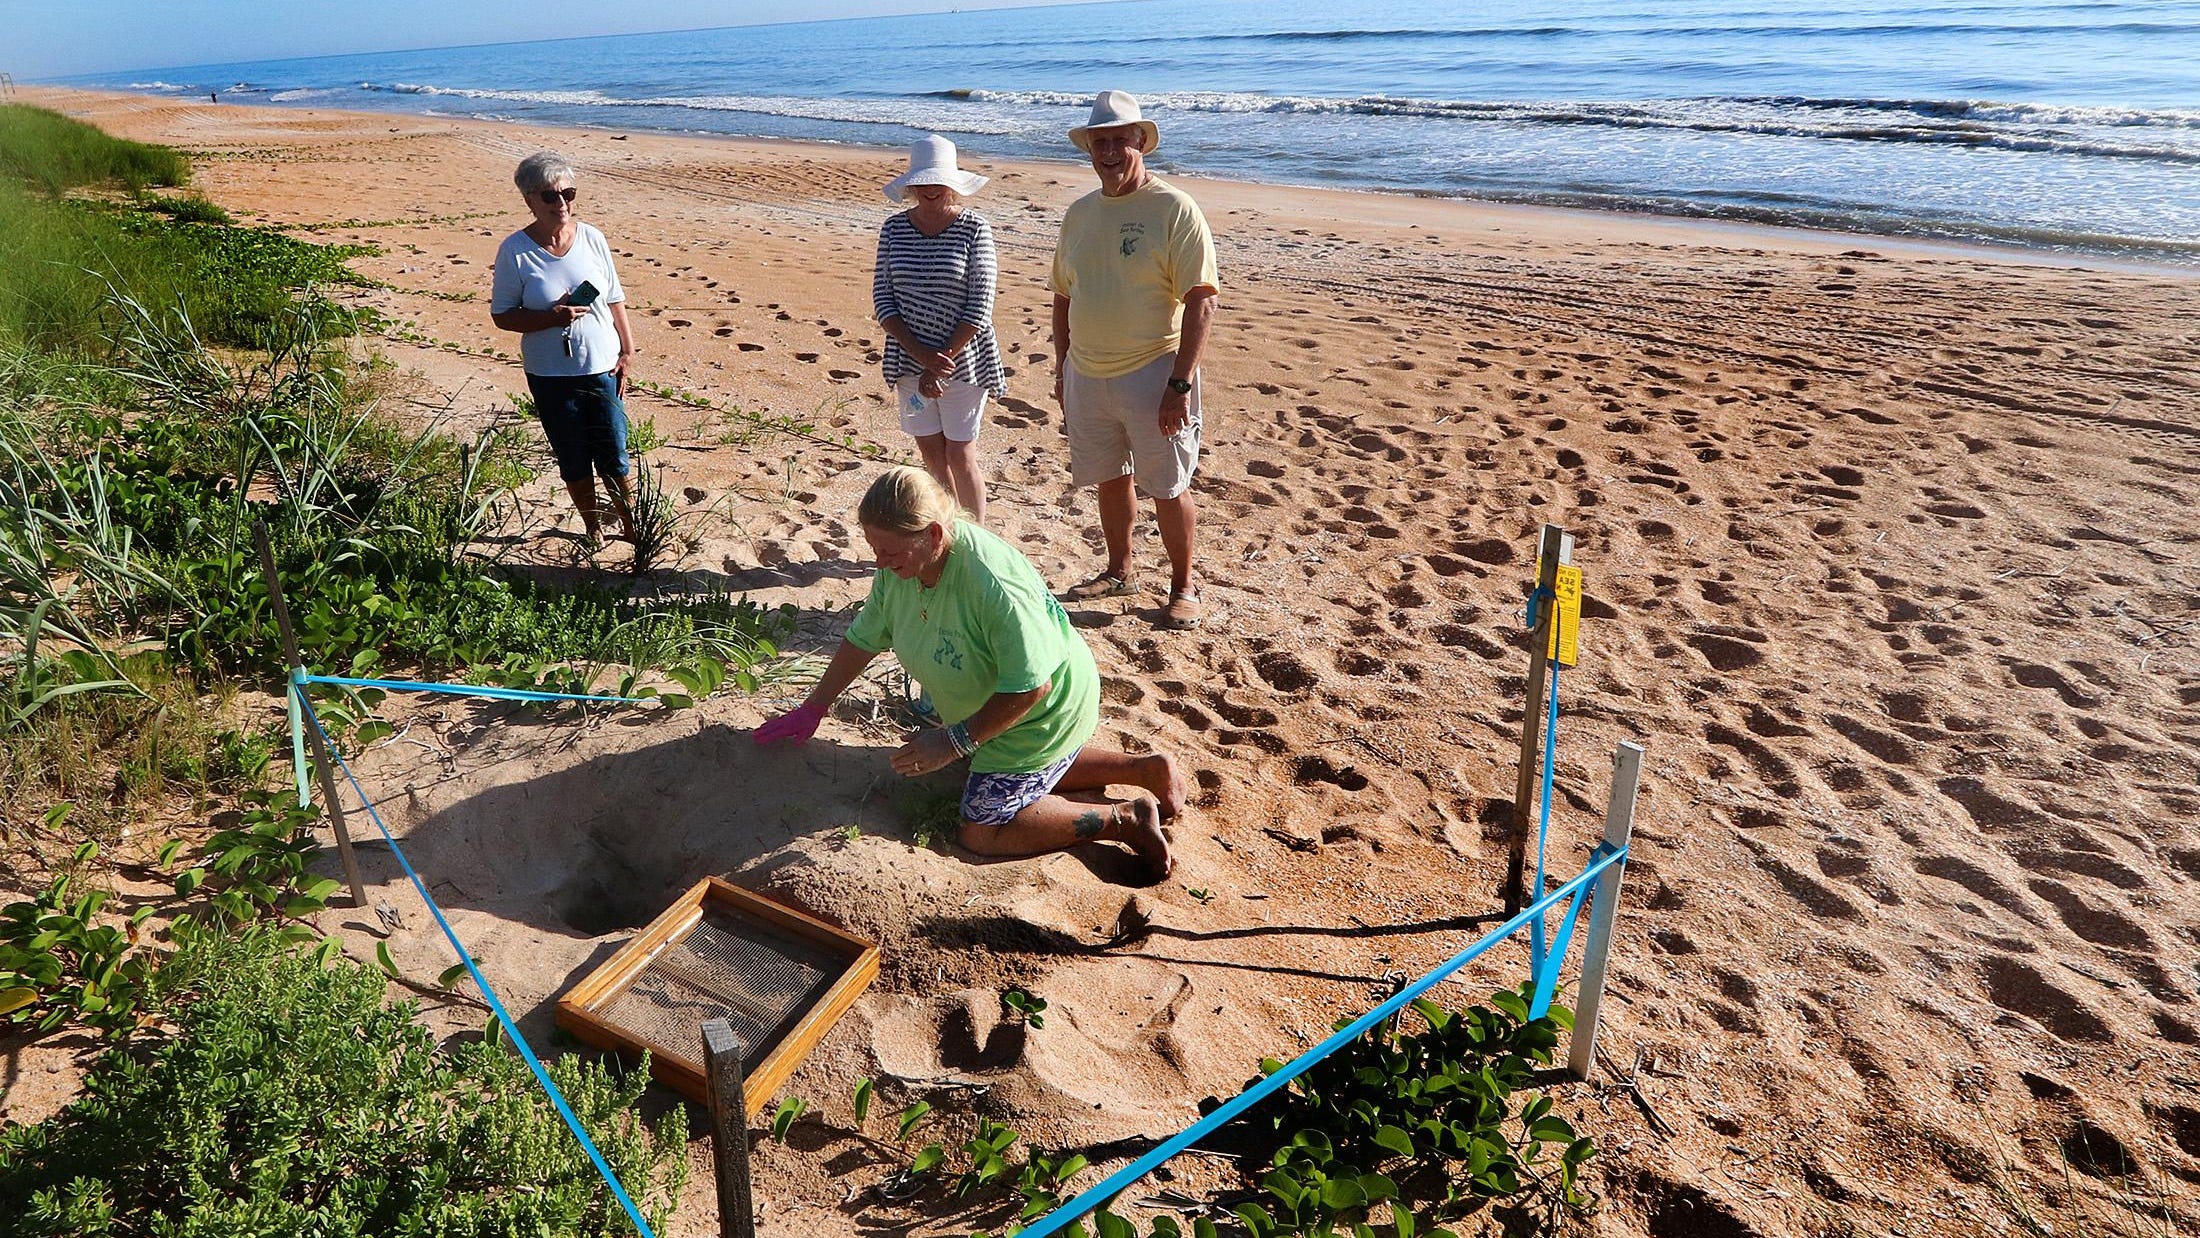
x=924 y=588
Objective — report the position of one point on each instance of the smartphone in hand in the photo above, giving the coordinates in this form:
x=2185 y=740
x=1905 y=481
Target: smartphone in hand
x=583 y=293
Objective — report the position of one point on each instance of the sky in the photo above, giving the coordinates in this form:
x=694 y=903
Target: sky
x=60 y=38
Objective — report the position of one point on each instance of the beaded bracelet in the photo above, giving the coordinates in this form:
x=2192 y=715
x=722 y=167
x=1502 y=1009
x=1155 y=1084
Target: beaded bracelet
x=959 y=736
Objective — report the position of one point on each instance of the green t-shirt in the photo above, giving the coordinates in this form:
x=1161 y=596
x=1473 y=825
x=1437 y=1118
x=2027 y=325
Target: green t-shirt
x=989 y=626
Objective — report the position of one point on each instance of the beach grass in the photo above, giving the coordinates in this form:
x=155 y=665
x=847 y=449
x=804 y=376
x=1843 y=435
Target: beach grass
x=57 y=154
x=67 y=258
x=65 y=262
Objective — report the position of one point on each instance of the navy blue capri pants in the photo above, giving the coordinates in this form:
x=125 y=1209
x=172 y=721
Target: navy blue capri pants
x=585 y=421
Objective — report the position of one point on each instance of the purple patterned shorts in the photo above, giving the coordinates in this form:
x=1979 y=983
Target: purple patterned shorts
x=995 y=799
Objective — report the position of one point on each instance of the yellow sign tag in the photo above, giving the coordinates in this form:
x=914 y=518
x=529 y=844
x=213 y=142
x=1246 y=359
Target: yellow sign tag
x=1565 y=647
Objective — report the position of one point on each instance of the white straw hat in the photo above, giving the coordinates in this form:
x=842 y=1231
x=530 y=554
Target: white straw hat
x=932 y=162
x=1113 y=108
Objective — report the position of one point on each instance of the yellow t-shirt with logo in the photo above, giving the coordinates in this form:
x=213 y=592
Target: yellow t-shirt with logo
x=1126 y=264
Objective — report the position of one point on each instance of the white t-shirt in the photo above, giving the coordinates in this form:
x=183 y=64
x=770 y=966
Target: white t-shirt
x=531 y=277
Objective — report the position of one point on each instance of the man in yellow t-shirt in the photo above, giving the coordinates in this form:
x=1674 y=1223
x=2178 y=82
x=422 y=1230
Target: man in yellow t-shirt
x=1134 y=293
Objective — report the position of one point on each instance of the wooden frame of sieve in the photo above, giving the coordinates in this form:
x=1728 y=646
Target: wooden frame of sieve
x=578 y=1011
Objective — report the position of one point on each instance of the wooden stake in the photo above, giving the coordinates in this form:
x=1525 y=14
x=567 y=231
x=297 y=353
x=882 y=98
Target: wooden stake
x=322 y=763
x=1619 y=827
x=729 y=1127
x=1553 y=548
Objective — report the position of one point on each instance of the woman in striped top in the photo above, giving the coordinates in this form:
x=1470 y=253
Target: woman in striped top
x=932 y=292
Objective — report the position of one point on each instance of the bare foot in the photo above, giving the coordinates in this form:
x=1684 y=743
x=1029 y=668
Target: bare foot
x=1160 y=775
x=1142 y=833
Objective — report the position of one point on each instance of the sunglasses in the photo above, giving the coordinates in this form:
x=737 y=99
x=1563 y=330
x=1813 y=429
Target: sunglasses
x=551 y=197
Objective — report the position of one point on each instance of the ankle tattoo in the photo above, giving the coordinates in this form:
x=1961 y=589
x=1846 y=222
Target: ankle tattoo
x=1089 y=824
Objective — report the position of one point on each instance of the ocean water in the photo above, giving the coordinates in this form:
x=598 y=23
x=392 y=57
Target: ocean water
x=2061 y=125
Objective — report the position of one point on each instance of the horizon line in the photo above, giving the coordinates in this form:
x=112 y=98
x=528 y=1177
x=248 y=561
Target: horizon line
x=981 y=7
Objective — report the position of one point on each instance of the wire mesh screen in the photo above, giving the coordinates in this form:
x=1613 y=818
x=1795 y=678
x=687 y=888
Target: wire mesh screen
x=757 y=980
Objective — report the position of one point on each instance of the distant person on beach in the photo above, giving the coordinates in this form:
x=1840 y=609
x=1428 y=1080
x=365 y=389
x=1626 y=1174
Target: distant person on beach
x=969 y=618
x=932 y=292
x=1134 y=293
x=555 y=284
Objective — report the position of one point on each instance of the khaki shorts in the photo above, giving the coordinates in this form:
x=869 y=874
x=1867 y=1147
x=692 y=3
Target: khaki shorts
x=1115 y=429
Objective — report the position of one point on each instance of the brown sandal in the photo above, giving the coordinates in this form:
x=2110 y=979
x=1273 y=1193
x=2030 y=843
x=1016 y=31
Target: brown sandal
x=1183 y=612
x=1105 y=585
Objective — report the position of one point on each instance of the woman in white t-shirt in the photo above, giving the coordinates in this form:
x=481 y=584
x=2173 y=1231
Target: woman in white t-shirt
x=556 y=286
x=932 y=292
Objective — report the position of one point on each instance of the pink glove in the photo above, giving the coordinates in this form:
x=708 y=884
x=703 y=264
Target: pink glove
x=795 y=727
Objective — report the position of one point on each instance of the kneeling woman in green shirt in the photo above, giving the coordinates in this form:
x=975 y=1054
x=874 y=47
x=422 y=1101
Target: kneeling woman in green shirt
x=970 y=620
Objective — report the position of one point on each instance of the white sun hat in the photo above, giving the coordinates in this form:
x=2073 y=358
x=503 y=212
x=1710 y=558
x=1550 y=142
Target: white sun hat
x=1113 y=108
x=932 y=162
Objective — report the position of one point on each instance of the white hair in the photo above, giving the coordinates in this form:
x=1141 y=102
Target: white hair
x=541 y=170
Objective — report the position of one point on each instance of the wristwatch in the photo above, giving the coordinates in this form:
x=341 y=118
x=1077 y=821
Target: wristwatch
x=1181 y=386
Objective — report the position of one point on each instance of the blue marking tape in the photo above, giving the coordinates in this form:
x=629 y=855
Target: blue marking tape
x=1542 y=594
x=463 y=689
x=1121 y=1179
x=1543 y=825
x=1546 y=979
x=511 y=1027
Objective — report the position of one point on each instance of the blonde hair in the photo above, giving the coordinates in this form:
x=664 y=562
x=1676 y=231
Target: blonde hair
x=907 y=501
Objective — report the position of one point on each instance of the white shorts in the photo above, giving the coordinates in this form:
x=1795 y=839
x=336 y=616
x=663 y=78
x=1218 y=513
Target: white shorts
x=958 y=413
x=1115 y=428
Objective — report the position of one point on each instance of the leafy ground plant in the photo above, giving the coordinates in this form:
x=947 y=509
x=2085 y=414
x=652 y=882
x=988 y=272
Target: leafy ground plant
x=258 y=864
x=291 y=1099
x=1025 y=1006
x=58 y=963
x=1393 y=1137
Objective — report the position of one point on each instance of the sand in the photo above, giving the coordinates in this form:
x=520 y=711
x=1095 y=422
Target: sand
x=1890 y=565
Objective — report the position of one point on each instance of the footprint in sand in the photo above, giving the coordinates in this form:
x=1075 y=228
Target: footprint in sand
x=1284 y=671
x=1459 y=636
x=1977 y=880
x=1772 y=768
x=2021 y=989
x=1319 y=768
x=1725 y=653
x=2071 y=861
x=1184 y=711
x=1816 y=896
x=1987 y=809
x=2033 y=675
x=1354 y=662
x=2103 y=926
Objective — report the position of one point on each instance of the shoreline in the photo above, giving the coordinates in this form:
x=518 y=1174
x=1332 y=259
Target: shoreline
x=1765 y=231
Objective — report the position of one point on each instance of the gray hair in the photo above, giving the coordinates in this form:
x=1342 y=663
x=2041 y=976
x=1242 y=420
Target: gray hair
x=541 y=170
